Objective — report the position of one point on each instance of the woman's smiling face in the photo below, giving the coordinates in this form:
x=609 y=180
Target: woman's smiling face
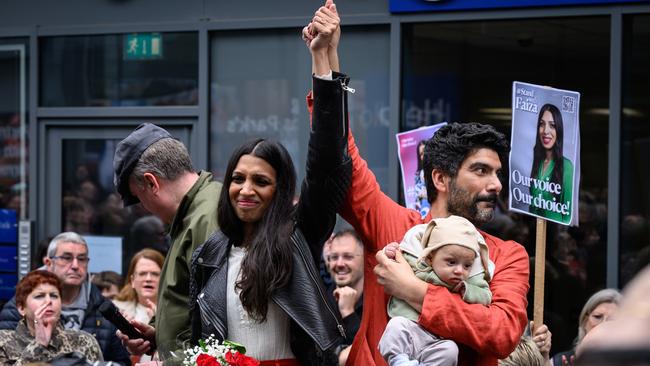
x=252 y=188
x=547 y=132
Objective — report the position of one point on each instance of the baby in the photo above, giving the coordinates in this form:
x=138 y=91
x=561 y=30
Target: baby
x=447 y=252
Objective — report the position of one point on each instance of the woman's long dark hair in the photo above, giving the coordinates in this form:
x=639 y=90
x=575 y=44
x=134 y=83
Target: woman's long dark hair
x=267 y=265
x=539 y=152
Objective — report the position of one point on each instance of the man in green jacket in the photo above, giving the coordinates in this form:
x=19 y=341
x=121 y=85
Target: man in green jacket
x=154 y=169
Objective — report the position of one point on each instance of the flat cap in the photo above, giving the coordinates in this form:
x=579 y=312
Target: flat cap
x=128 y=153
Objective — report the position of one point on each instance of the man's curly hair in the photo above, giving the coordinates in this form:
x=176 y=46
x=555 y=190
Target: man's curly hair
x=453 y=143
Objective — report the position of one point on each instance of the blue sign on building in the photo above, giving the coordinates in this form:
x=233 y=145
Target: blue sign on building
x=8 y=285
x=409 y=6
x=8 y=259
x=8 y=253
x=8 y=227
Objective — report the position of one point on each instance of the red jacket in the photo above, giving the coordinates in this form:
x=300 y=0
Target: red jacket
x=483 y=334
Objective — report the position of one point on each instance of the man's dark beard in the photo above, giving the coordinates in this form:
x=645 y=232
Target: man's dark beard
x=461 y=203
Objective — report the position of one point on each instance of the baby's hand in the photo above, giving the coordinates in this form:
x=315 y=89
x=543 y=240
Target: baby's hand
x=391 y=249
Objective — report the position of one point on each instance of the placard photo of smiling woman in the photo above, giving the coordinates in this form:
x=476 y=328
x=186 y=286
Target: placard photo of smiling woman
x=545 y=153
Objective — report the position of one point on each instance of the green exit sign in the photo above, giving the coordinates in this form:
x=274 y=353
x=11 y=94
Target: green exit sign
x=142 y=46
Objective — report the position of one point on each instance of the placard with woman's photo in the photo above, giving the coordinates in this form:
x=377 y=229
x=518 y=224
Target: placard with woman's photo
x=545 y=152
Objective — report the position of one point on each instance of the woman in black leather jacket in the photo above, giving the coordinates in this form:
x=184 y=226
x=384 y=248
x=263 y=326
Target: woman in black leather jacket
x=256 y=280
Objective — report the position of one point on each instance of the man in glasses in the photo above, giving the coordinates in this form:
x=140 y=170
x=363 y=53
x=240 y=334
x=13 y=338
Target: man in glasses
x=345 y=265
x=67 y=257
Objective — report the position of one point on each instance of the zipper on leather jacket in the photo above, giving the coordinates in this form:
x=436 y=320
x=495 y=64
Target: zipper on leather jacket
x=344 y=83
x=344 y=112
x=347 y=88
x=208 y=313
x=339 y=326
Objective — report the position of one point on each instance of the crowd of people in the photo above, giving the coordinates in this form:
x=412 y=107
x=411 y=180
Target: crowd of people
x=396 y=288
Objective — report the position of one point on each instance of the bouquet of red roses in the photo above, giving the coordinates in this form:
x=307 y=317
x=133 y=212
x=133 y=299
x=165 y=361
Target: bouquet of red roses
x=210 y=352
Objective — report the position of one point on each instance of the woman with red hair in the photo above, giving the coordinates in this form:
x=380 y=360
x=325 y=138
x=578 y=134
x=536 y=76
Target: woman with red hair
x=39 y=336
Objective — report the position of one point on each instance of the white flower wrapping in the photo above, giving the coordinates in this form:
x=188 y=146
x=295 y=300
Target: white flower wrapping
x=212 y=347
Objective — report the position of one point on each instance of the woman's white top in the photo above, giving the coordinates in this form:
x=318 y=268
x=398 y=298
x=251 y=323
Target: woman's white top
x=264 y=341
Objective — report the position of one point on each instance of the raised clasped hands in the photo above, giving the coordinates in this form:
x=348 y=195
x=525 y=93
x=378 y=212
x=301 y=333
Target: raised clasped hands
x=324 y=30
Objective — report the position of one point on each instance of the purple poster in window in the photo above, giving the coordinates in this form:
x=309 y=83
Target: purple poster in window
x=410 y=147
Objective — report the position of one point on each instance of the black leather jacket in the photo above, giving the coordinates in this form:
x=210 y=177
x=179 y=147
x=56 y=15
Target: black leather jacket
x=316 y=327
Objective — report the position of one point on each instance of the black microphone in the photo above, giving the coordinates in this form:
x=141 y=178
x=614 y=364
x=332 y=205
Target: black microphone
x=113 y=315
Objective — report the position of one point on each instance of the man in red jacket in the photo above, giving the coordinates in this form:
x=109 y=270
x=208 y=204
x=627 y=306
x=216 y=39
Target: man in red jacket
x=462 y=163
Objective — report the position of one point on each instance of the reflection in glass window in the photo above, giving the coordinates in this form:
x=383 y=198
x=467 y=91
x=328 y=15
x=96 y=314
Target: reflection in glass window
x=91 y=207
x=258 y=88
x=463 y=71
x=635 y=177
x=14 y=146
x=144 y=69
x=87 y=185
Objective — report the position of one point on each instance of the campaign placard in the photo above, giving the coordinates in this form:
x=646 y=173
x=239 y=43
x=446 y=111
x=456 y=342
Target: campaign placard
x=545 y=152
x=410 y=147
